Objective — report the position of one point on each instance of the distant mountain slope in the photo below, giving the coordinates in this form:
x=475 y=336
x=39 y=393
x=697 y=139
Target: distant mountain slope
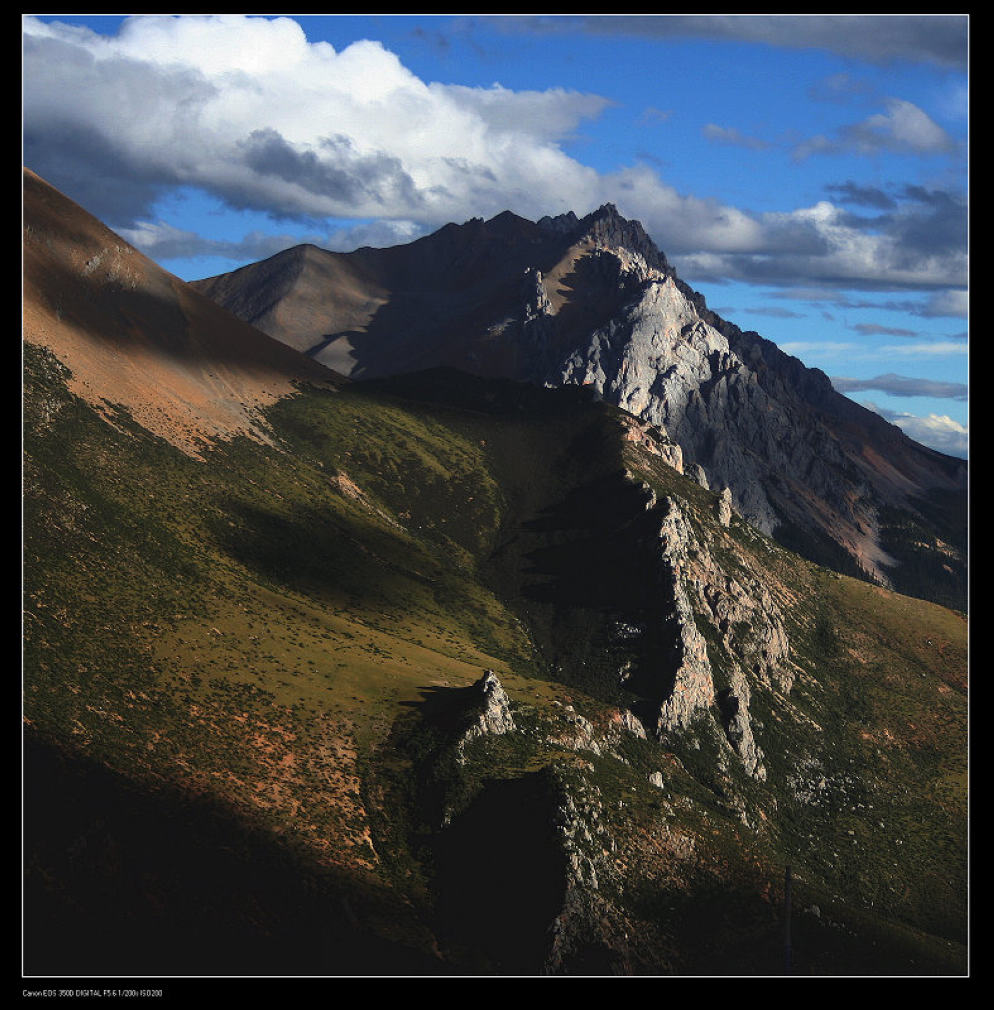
x=594 y=302
x=131 y=332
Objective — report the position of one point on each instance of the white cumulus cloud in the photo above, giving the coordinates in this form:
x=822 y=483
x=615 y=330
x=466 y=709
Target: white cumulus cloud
x=250 y=111
x=938 y=431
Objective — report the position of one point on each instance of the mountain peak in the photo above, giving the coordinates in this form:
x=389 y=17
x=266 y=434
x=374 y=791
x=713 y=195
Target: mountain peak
x=507 y=221
x=592 y=300
x=606 y=210
x=606 y=227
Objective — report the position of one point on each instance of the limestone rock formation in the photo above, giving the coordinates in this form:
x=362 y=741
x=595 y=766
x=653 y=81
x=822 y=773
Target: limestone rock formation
x=693 y=685
x=695 y=676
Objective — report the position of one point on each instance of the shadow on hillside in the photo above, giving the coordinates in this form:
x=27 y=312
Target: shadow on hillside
x=123 y=880
x=591 y=296
x=496 y=863
x=317 y=552
x=500 y=875
x=597 y=591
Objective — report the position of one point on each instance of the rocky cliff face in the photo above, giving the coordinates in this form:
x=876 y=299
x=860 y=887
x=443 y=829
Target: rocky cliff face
x=594 y=302
x=746 y=416
x=690 y=679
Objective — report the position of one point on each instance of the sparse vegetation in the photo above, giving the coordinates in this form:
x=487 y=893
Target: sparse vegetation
x=277 y=633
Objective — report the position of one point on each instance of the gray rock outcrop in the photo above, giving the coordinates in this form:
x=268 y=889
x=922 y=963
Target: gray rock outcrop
x=697 y=473
x=734 y=705
x=746 y=628
x=693 y=686
x=723 y=510
x=492 y=711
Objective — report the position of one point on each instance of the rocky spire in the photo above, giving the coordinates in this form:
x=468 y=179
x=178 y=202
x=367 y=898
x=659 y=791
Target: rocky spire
x=609 y=229
x=490 y=712
x=723 y=509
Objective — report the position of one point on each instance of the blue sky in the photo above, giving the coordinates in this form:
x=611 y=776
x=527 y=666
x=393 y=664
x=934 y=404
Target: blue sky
x=807 y=174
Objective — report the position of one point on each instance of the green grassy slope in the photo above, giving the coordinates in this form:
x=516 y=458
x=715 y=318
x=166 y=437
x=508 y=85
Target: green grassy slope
x=263 y=648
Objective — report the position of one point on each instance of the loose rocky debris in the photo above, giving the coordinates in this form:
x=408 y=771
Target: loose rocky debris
x=348 y=488
x=577 y=734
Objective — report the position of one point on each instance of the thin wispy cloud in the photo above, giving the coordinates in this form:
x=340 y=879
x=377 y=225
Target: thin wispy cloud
x=954 y=303
x=651 y=115
x=902 y=385
x=875 y=330
x=863 y=351
x=903 y=128
x=775 y=311
x=162 y=241
x=823 y=348
x=935 y=348
x=877 y=38
x=841 y=87
x=948 y=303
x=734 y=137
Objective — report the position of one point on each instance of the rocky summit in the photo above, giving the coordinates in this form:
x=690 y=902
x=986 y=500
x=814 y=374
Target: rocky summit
x=593 y=302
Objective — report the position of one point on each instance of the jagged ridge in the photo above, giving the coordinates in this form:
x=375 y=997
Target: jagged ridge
x=593 y=301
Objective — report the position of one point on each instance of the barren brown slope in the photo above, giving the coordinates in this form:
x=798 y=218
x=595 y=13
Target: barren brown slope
x=301 y=294
x=441 y=299
x=135 y=335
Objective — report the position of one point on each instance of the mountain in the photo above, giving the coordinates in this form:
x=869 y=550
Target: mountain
x=593 y=302
x=132 y=333
x=440 y=674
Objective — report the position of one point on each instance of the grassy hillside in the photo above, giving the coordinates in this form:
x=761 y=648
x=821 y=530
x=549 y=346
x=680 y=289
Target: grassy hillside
x=245 y=678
